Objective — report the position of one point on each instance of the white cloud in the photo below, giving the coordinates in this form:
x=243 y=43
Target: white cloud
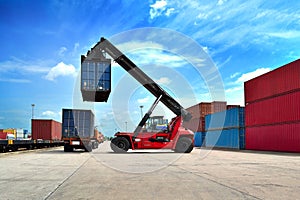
x=22 y=66
x=235 y=75
x=163 y=80
x=202 y=16
x=157 y=8
x=62 y=51
x=138 y=45
x=49 y=114
x=285 y=34
x=75 y=48
x=221 y=2
x=205 y=49
x=227 y=25
x=250 y=75
x=61 y=69
x=13 y=80
x=234 y=89
x=144 y=100
x=169 y=11
x=157 y=57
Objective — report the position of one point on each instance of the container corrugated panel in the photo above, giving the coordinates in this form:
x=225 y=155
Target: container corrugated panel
x=226 y=138
x=198 y=111
x=284 y=108
x=278 y=81
x=228 y=107
x=45 y=129
x=218 y=106
x=195 y=124
x=78 y=123
x=198 y=139
x=19 y=133
x=2 y=134
x=205 y=108
x=232 y=118
x=280 y=137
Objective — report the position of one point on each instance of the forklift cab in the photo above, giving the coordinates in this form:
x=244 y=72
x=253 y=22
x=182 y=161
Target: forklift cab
x=156 y=124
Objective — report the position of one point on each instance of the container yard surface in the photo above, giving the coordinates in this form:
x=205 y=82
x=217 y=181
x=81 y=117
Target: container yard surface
x=203 y=174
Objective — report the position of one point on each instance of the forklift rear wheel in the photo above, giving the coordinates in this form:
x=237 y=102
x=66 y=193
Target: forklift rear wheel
x=119 y=145
x=184 y=145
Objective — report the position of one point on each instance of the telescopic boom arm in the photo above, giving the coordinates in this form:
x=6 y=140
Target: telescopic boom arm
x=161 y=95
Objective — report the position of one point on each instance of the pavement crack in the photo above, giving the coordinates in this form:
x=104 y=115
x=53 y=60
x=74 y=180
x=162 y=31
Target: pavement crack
x=65 y=180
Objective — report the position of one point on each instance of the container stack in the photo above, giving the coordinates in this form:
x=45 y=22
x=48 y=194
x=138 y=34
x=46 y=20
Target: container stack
x=273 y=110
x=197 y=123
x=198 y=111
x=226 y=129
x=13 y=133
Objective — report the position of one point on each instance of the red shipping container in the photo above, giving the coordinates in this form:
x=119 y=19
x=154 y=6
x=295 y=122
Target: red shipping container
x=198 y=111
x=3 y=135
x=284 y=108
x=45 y=129
x=280 y=137
x=205 y=108
x=217 y=106
x=276 y=82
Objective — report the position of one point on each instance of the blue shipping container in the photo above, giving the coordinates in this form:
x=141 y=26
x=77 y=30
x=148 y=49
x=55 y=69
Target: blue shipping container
x=198 y=139
x=95 y=78
x=226 y=138
x=77 y=123
x=232 y=118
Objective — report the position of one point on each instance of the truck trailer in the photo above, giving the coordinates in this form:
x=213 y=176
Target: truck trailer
x=78 y=130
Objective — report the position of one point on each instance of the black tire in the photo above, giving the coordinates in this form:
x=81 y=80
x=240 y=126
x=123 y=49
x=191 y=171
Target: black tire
x=68 y=148
x=95 y=145
x=184 y=145
x=120 y=145
x=89 y=147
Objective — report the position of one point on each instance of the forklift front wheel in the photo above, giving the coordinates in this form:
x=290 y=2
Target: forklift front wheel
x=184 y=145
x=119 y=145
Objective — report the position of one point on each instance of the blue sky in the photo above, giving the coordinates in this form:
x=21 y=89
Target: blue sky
x=42 y=42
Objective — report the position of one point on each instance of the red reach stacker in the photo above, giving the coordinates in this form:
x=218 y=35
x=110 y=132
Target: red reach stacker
x=174 y=136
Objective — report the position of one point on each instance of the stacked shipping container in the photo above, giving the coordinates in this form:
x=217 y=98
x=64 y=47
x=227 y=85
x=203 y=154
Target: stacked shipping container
x=198 y=111
x=273 y=110
x=198 y=139
x=13 y=133
x=226 y=129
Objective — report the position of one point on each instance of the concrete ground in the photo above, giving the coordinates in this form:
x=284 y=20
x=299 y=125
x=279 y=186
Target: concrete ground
x=202 y=174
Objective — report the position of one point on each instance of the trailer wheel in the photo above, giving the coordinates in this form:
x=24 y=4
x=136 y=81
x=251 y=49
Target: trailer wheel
x=68 y=148
x=119 y=145
x=95 y=145
x=184 y=145
x=89 y=147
